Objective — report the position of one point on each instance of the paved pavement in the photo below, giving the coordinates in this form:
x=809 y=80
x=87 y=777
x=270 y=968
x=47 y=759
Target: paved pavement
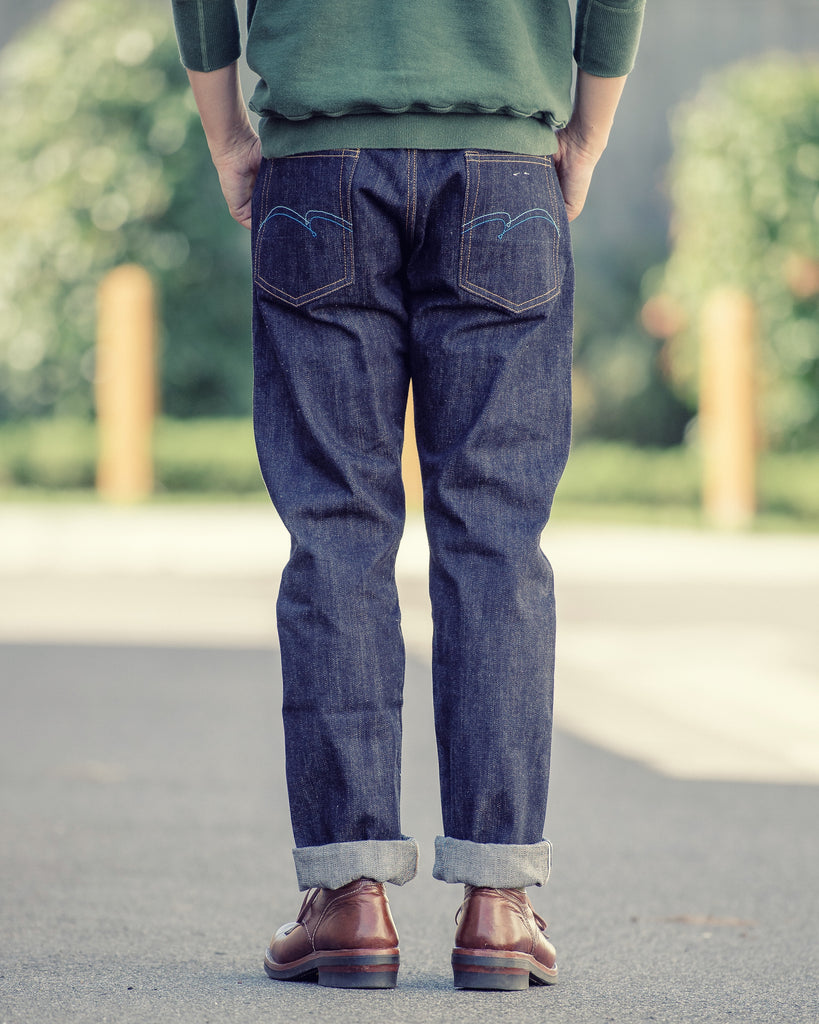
x=144 y=841
x=695 y=652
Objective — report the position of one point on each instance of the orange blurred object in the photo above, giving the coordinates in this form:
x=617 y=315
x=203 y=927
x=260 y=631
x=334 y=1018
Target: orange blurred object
x=727 y=419
x=125 y=384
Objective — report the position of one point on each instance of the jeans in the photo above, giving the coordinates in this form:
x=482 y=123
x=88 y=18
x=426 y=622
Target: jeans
x=452 y=269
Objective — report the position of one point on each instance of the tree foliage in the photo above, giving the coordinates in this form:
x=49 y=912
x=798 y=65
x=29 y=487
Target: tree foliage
x=745 y=190
x=103 y=161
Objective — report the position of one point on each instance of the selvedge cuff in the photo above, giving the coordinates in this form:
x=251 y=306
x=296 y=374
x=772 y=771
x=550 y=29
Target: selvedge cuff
x=335 y=864
x=497 y=865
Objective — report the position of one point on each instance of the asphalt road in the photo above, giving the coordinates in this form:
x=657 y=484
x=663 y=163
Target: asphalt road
x=145 y=843
x=146 y=860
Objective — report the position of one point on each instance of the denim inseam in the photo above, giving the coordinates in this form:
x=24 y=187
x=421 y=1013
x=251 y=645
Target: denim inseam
x=453 y=269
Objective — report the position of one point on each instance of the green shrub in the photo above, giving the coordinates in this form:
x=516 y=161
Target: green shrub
x=200 y=456
x=745 y=190
x=48 y=454
x=206 y=455
x=103 y=161
x=611 y=473
x=217 y=457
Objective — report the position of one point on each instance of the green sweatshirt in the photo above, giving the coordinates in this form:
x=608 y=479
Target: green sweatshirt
x=412 y=74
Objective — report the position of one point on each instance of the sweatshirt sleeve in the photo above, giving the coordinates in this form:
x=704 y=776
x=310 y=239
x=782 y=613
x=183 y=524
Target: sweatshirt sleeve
x=606 y=36
x=207 y=32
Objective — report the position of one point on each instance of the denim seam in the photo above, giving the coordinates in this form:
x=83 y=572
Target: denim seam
x=474 y=196
x=412 y=193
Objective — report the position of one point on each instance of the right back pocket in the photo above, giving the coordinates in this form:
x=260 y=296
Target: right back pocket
x=510 y=235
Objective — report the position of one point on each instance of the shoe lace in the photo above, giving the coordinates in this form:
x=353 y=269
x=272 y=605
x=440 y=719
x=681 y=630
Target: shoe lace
x=542 y=925
x=308 y=901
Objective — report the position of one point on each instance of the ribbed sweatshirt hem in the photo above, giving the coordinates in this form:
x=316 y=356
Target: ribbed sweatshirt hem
x=407 y=131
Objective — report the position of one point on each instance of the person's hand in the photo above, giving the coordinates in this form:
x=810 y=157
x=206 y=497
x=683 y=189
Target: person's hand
x=574 y=162
x=237 y=168
x=581 y=143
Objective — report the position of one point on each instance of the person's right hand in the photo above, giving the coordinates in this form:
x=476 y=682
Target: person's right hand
x=574 y=163
x=234 y=146
x=581 y=143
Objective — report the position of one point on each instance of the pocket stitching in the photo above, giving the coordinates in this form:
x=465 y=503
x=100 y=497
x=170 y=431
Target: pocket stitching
x=477 y=158
x=348 y=243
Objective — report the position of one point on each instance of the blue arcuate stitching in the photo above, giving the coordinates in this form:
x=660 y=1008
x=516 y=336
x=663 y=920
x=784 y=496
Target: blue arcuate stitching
x=306 y=220
x=510 y=222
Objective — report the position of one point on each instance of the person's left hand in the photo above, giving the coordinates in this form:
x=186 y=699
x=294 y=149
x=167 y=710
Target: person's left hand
x=238 y=168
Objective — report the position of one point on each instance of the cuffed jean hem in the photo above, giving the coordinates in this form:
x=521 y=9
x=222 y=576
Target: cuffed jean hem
x=335 y=864
x=498 y=865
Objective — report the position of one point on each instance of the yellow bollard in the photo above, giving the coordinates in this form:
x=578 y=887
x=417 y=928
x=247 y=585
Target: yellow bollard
x=125 y=384
x=727 y=418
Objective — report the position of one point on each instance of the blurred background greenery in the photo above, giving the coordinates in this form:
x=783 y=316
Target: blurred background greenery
x=216 y=457
x=102 y=161
x=97 y=114
x=745 y=190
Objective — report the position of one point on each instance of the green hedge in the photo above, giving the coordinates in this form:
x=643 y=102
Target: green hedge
x=745 y=192
x=218 y=457
x=669 y=480
x=199 y=456
x=102 y=162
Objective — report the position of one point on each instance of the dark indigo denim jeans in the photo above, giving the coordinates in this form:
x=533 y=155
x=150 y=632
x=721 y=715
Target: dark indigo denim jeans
x=452 y=269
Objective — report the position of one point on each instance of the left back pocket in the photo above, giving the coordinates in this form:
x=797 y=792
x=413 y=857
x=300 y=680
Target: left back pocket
x=303 y=226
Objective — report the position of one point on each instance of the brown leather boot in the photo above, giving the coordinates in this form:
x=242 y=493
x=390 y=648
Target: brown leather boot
x=501 y=943
x=344 y=938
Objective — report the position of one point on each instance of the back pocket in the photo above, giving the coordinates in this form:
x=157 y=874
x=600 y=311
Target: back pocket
x=303 y=227
x=510 y=237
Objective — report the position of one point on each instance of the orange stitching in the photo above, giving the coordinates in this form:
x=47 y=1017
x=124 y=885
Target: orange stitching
x=349 y=271
x=414 y=193
x=409 y=187
x=465 y=269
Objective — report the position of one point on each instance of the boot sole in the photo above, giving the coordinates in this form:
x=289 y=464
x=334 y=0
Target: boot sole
x=340 y=968
x=499 y=970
